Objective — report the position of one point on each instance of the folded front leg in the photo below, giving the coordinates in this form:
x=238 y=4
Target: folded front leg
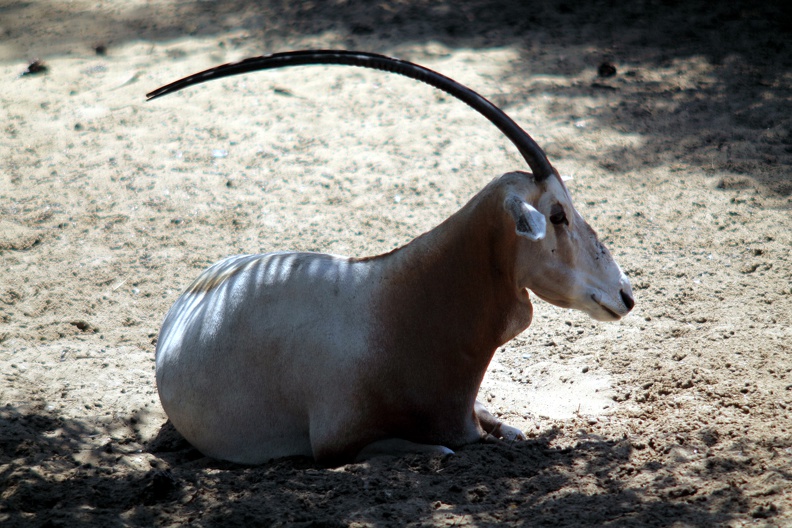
x=399 y=447
x=494 y=427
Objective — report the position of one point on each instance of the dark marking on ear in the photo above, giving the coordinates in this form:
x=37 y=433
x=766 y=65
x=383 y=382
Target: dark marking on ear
x=528 y=222
x=522 y=225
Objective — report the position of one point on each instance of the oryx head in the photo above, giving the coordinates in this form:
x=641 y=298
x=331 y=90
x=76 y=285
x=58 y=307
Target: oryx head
x=559 y=256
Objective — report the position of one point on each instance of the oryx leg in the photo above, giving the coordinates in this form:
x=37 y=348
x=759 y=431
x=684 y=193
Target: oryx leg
x=399 y=447
x=494 y=427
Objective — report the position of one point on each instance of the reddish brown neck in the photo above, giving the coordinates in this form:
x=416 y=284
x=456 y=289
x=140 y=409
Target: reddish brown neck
x=452 y=293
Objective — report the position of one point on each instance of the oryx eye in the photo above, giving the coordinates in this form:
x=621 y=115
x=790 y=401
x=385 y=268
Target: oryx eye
x=558 y=216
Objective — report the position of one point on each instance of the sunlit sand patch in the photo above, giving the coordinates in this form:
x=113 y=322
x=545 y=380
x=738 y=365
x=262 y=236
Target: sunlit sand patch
x=557 y=391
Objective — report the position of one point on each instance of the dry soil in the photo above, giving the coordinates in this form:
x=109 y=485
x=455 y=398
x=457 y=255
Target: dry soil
x=679 y=415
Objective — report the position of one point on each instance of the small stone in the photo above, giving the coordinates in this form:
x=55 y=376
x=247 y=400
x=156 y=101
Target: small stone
x=606 y=69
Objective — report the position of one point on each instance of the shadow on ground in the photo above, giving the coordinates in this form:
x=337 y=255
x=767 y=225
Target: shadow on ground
x=482 y=484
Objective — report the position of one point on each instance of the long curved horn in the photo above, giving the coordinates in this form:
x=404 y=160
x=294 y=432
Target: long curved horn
x=533 y=154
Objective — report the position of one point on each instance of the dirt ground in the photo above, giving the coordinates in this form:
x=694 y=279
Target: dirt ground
x=679 y=415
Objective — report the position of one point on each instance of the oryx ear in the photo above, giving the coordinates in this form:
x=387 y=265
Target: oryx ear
x=529 y=222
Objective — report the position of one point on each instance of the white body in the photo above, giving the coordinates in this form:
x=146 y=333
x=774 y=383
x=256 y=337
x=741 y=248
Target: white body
x=310 y=354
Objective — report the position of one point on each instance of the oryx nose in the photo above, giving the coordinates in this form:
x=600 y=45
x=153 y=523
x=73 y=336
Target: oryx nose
x=627 y=299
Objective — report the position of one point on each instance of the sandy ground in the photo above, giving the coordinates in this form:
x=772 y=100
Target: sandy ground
x=679 y=415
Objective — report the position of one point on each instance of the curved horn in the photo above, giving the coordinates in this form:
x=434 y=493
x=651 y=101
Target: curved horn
x=533 y=154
